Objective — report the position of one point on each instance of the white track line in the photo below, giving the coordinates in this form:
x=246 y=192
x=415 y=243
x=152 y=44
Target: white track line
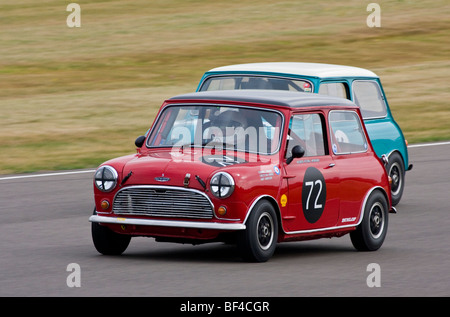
x=46 y=175
x=92 y=171
x=428 y=144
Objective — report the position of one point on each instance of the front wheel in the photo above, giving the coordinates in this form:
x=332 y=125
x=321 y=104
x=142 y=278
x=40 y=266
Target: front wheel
x=108 y=242
x=371 y=232
x=257 y=242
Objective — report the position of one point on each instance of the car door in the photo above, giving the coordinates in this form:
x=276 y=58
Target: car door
x=313 y=193
x=351 y=155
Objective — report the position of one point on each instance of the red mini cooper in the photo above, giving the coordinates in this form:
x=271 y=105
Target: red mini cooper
x=249 y=167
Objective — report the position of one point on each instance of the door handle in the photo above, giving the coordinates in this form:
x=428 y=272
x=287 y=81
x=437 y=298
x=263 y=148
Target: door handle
x=330 y=165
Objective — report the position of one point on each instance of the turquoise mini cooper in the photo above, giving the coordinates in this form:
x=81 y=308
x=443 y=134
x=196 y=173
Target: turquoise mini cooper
x=360 y=85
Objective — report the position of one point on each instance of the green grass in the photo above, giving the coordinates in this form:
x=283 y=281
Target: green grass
x=74 y=97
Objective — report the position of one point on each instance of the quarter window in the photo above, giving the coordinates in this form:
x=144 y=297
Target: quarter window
x=368 y=97
x=334 y=89
x=347 y=134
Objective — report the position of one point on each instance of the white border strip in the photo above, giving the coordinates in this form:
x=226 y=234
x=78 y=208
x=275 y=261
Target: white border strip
x=46 y=175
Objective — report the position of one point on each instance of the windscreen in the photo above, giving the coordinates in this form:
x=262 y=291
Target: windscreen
x=255 y=82
x=236 y=128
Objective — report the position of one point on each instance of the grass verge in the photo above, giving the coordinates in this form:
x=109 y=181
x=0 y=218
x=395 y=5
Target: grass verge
x=74 y=97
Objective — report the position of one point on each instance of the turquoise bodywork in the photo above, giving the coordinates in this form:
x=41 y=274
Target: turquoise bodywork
x=384 y=133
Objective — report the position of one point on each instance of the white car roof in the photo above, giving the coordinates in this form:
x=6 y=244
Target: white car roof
x=305 y=69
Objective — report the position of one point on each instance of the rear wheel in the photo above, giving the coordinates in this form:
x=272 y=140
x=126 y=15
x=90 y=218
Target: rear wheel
x=257 y=242
x=371 y=232
x=396 y=170
x=108 y=242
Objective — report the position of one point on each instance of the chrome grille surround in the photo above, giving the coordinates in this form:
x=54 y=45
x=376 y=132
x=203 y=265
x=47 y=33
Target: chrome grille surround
x=163 y=201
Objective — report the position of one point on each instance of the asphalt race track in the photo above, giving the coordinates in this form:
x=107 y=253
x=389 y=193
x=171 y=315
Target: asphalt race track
x=45 y=233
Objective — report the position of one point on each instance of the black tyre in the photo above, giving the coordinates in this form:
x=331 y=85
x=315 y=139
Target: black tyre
x=371 y=232
x=396 y=170
x=257 y=242
x=108 y=242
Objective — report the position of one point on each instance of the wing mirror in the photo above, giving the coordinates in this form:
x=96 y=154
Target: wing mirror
x=140 y=141
x=297 y=152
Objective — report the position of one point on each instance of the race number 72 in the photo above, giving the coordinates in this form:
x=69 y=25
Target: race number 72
x=314 y=194
x=312 y=185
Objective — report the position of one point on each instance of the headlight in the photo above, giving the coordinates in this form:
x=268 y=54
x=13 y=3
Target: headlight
x=222 y=185
x=106 y=178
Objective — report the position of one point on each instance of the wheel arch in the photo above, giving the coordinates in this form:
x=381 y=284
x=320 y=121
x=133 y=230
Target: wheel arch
x=388 y=155
x=366 y=198
x=274 y=204
x=402 y=157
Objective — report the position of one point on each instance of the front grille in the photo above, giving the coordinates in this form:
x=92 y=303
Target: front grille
x=162 y=202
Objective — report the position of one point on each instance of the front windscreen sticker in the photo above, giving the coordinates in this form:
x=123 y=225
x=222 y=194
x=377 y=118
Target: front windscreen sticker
x=221 y=160
x=314 y=193
x=307 y=87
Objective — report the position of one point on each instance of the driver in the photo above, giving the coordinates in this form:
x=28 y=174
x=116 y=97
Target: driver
x=228 y=127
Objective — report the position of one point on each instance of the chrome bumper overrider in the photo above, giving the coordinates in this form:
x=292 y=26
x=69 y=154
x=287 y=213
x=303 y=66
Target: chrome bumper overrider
x=167 y=223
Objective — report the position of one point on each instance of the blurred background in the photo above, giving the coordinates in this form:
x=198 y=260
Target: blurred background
x=73 y=97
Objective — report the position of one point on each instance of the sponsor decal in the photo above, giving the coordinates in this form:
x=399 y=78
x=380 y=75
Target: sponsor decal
x=276 y=170
x=283 y=200
x=265 y=174
x=351 y=219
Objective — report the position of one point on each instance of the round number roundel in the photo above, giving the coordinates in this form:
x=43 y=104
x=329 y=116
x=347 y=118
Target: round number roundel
x=314 y=194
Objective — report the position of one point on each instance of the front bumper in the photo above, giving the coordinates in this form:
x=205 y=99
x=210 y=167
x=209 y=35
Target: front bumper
x=167 y=223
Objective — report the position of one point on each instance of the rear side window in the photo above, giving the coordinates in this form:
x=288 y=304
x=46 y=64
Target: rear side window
x=346 y=132
x=368 y=97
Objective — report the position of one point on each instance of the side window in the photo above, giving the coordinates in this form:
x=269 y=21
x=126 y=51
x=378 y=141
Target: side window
x=368 y=97
x=221 y=84
x=347 y=135
x=307 y=130
x=334 y=89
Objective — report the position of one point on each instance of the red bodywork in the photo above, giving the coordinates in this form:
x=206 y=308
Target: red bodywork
x=349 y=180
